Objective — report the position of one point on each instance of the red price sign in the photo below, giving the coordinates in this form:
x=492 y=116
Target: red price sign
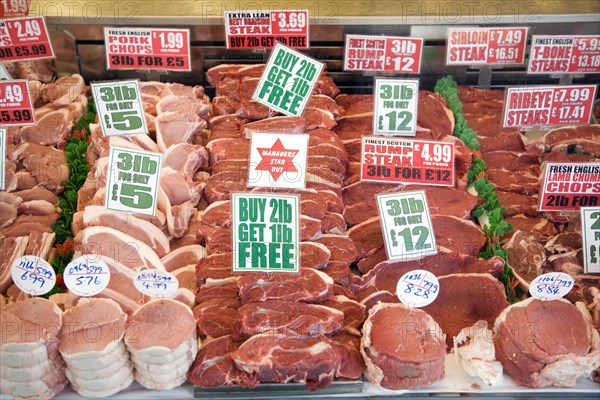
x=24 y=39
x=263 y=29
x=548 y=105
x=565 y=54
x=570 y=186
x=14 y=8
x=395 y=160
x=144 y=48
x=480 y=46
x=17 y=108
x=383 y=53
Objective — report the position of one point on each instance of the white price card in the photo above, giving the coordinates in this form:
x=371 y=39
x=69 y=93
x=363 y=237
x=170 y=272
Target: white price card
x=120 y=108
x=155 y=283
x=33 y=275
x=551 y=286
x=133 y=179
x=418 y=288
x=288 y=81
x=396 y=102
x=278 y=160
x=406 y=225
x=86 y=276
x=2 y=158
x=4 y=75
x=590 y=232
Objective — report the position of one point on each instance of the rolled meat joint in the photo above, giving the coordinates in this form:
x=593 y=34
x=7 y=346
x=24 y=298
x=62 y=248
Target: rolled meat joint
x=547 y=343
x=403 y=348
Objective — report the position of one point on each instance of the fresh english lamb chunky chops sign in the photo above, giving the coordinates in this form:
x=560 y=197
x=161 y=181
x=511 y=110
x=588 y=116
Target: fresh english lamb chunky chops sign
x=570 y=186
x=288 y=81
x=266 y=232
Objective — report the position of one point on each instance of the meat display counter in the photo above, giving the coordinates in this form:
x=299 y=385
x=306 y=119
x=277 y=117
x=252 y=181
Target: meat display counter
x=336 y=329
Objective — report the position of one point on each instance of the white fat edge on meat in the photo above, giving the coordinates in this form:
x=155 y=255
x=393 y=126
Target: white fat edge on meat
x=23 y=355
x=98 y=371
x=211 y=282
x=107 y=388
x=361 y=115
x=372 y=372
x=155 y=355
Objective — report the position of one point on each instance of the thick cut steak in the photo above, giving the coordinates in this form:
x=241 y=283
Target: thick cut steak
x=354 y=312
x=216 y=317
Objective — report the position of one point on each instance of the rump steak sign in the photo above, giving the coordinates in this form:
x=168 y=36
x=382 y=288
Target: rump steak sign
x=395 y=160
x=24 y=39
x=147 y=48
x=590 y=232
x=277 y=160
x=548 y=105
x=17 y=108
x=288 y=81
x=266 y=232
x=132 y=181
x=565 y=54
x=396 y=103
x=480 y=46
x=570 y=186
x=120 y=108
x=383 y=54
x=262 y=29
x=406 y=225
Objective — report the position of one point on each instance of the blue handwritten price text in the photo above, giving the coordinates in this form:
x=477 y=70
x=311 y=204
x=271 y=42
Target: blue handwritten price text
x=155 y=285
x=88 y=280
x=155 y=276
x=548 y=289
x=36 y=279
x=85 y=268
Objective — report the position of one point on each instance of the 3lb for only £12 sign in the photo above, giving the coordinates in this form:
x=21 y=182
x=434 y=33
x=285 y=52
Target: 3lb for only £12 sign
x=132 y=181
x=288 y=81
x=265 y=232
x=120 y=108
x=396 y=107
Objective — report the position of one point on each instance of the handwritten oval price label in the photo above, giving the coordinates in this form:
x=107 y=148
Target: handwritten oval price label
x=155 y=283
x=86 y=277
x=417 y=288
x=551 y=286
x=33 y=275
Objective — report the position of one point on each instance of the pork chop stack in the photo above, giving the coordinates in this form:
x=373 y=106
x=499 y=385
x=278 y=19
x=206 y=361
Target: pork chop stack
x=91 y=344
x=31 y=366
x=547 y=343
x=161 y=338
x=403 y=348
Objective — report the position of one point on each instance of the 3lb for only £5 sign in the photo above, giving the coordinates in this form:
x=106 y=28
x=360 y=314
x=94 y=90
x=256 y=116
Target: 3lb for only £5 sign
x=120 y=108
x=265 y=232
x=288 y=81
x=132 y=182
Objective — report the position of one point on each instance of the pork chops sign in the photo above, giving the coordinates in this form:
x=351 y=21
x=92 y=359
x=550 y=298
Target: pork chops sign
x=396 y=107
x=146 y=48
x=570 y=186
x=569 y=54
x=262 y=29
x=288 y=81
x=24 y=39
x=265 y=232
x=132 y=181
x=277 y=160
x=120 y=108
x=406 y=225
x=590 y=232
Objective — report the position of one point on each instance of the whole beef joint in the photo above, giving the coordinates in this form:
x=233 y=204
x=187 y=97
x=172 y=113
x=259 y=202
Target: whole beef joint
x=547 y=343
x=403 y=348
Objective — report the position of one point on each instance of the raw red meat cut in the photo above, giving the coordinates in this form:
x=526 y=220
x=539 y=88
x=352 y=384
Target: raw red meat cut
x=223 y=105
x=511 y=141
x=183 y=105
x=525 y=255
x=515 y=203
x=185 y=157
x=47 y=164
x=216 y=317
x=522 y=182
x=512 y=161
x=342 y=248
x=325 y=103
x=253 y=110
x=432 y=114
x=215 y=266
x=471 y=239
x=288 y=125
x=382 y=296
x=538 y=225
x=354 y=312
x=313 y=255
x=174 y=128
x=228 y=149
x=347 y=342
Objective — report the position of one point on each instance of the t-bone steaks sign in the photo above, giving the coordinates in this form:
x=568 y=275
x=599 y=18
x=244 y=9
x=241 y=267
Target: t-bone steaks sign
x=263 y=29
x=565 y=54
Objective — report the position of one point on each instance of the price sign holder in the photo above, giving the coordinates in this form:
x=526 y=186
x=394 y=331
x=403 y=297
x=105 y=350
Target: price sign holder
x=266 y=234
x=156 y=283
x=590 y=232
x=33 y=275
x=396 y=104
x=2 y=158
x=4 y=75
x=397 y=160
x=278 y=160
x=551 y=286
x=120 y=108
x=147 y=49
x=288 y=81
x=17 y=107
x=24 y=39
x=569 y=186
x=86 y=275
x=262 y=29
x=417 y=288
x=132 y=181
x=406 y=225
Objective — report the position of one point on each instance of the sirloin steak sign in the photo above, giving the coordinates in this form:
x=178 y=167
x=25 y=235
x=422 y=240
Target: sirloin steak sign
x=266 y=232
x=288 y=81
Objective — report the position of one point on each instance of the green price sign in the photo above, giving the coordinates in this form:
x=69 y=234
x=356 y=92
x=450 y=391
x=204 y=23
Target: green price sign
x=590 y=232
x=265 y=232
x=406 y=225
x=396 y=103
x=288 y=81
x=120 y=108
x=132 y=182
